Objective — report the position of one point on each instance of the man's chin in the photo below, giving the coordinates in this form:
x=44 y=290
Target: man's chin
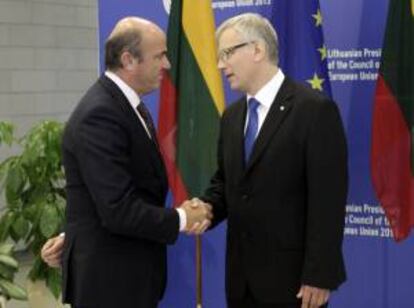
x=233 y=85
x=156 y=85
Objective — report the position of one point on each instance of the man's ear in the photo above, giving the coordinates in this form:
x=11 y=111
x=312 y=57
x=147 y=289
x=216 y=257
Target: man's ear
x=259 y=50
x=127 y=61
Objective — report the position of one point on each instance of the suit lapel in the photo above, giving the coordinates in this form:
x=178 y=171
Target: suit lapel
x=277 y=113
x=122 y=101
x=119 y=98
x=238 y=134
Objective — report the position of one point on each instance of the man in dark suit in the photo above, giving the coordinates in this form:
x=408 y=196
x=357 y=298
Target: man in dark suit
x=117 y=227
x=281 y=181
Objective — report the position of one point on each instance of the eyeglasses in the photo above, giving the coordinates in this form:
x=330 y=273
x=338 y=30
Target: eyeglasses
x=226 y=53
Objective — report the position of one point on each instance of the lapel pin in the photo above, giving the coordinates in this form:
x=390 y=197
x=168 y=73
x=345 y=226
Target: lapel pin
x=282 y=108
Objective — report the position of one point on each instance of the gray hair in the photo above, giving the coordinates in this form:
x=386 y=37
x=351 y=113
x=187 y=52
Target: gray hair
x=254 y=27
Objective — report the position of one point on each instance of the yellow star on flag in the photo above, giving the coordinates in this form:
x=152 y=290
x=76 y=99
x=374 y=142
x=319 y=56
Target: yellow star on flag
x=323 y=52
x=318 y=18
x=316 y=82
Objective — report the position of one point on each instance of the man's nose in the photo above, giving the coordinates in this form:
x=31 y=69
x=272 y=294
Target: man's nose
x=220 y=64
x=166 y=64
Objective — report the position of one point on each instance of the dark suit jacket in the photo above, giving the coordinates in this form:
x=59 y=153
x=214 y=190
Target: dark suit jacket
x=286 y=208
x=117 y=227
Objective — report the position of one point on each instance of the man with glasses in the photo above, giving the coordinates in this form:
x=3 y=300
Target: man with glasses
x=281 y=181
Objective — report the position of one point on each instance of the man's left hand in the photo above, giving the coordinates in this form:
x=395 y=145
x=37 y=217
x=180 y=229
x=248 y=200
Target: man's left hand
x=313 y=297
x=52 y=251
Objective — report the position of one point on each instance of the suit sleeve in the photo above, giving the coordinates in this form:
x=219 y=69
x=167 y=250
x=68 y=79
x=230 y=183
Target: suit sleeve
x=327 y=181
x=215 y=193
x=103 y=155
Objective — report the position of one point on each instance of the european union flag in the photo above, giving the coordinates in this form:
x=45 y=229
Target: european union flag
x=303 y=54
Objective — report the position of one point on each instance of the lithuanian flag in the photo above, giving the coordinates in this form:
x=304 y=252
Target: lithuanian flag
x=192 y=99
x=392 y=156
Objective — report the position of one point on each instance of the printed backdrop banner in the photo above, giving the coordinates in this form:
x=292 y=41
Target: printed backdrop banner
x=380 y=271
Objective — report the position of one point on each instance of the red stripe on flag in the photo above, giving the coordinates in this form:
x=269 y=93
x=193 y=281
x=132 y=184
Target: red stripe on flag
x=390 y=161
x=167 y=131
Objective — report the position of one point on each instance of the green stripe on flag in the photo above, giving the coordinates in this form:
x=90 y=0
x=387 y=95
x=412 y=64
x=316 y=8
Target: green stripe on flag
x=198 y=122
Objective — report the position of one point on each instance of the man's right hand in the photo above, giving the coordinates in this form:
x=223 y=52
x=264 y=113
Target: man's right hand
x=199 y=215
x=52 y=251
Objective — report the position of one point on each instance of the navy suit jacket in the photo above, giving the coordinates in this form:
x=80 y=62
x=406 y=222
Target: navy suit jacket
x=285 y=209
x=117 y=227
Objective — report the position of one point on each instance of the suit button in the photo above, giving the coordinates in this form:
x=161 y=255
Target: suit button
x=245 y=197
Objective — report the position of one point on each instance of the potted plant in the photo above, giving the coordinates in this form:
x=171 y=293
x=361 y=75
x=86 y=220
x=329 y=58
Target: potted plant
x=8 y=267
x=32 y=183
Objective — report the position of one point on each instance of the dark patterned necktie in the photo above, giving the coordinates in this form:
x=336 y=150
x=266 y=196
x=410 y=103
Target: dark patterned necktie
x=146 y=116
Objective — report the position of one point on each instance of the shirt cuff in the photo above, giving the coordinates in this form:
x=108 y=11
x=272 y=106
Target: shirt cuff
x=183 y=219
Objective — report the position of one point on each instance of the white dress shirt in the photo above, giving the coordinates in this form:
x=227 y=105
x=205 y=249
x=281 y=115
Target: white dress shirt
x=134 y=100
x=265 y=96
x=132 y=96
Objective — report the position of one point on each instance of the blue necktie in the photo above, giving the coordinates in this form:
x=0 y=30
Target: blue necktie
x=252 y=127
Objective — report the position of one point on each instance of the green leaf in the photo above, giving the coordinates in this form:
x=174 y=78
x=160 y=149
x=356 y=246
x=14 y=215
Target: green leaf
x=8 y=261
x=12 y=290
x=14 y=235
x=37 y=272
x=34 y=214
x=21 y=226
x=53 y=281
x=6 y=133
x=15 y=182
x=49 y=221
x=5 y=224
x=6 y=248
x=37 y=194
x=4 y=168
x=6 y=272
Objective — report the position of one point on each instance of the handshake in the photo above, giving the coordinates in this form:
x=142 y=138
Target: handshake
x=198 y=215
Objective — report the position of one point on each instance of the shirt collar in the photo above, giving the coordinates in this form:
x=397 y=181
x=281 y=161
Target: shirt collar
x=267 y=94
x=129 y=93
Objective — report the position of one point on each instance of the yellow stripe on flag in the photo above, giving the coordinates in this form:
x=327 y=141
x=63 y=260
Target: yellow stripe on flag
x=412 y=7
x=198 y=25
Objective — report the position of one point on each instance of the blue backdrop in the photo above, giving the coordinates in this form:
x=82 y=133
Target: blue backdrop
x=380 y=274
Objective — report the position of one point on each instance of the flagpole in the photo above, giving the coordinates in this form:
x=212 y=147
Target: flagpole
x=198 y=272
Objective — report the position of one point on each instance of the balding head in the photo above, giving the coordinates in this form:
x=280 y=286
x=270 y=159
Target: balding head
x=126 y=36
x=136 y=52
